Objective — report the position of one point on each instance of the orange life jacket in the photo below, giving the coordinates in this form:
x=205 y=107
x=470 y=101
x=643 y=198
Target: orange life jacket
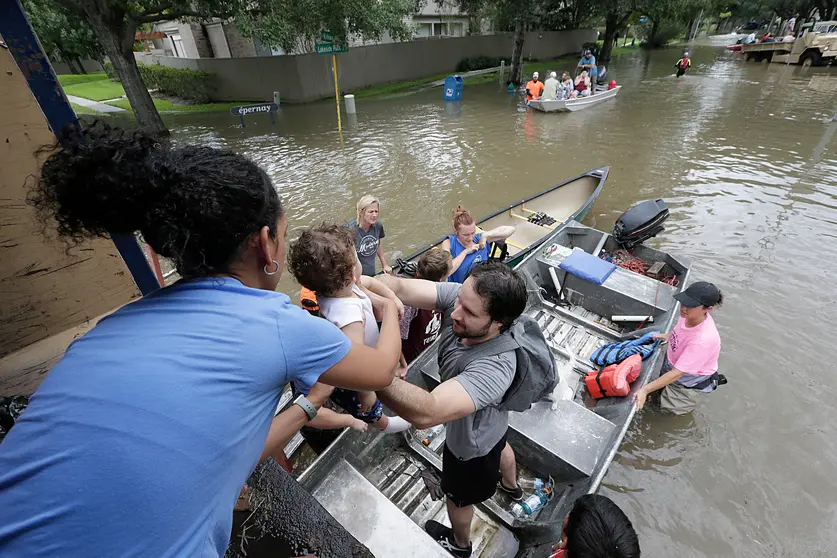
x=614 y=380
x=308 y=300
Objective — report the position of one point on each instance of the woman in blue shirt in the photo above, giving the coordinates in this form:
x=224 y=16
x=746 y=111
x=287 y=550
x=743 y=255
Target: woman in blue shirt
x=139 y=440
x=467 y=247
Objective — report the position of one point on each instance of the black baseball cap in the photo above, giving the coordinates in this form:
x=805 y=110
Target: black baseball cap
x=699 y=294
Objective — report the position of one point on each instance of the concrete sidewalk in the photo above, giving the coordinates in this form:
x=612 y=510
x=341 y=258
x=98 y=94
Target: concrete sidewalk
x=98 y=106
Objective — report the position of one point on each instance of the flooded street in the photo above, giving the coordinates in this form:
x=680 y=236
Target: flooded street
x=745 y=156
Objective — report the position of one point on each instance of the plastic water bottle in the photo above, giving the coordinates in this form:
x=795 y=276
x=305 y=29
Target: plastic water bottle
x=533 y=485
x=531 y=504
x=432 y=433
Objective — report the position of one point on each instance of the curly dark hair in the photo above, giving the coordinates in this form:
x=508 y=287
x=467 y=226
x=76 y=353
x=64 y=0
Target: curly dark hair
x=323 y=258
x=195 y=205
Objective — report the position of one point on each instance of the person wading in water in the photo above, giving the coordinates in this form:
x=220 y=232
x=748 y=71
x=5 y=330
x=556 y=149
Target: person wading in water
x=693 y=348
x=369 y=231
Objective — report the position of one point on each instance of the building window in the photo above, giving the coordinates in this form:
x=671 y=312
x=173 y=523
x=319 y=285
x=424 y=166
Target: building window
x=424 y=30
x=455 y=29
x=177 y=45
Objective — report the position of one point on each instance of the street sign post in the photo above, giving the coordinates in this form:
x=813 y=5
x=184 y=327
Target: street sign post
x=328 y=46
x=269 y=108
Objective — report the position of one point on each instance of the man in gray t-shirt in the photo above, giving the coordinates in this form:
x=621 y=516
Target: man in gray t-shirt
x=476 y=452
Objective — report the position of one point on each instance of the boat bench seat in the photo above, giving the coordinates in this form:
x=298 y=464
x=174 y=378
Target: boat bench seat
x=371 y=517
x=565 y=441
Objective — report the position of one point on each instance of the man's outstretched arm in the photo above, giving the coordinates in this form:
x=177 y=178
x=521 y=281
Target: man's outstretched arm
x=417 y=293
x=449 y=401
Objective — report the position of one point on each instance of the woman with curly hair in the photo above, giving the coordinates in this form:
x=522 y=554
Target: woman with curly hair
x=140 y=438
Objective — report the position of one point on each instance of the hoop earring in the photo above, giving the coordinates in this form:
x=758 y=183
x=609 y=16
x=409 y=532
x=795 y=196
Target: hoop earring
x=275 y=271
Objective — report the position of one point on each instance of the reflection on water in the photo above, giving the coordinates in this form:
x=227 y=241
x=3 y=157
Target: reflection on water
x=744 y=154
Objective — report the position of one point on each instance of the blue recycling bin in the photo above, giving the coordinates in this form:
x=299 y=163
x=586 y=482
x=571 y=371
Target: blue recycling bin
x=453 y=88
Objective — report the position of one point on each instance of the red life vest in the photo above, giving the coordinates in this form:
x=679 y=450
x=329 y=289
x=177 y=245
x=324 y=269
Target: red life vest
x=615 y=380
x=424 y=329
x=684 y=63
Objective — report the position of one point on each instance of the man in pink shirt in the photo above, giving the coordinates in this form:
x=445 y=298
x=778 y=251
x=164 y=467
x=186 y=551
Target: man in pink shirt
x=693 y=349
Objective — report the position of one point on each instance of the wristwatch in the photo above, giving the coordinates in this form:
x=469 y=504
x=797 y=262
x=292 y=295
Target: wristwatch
x=306 y=406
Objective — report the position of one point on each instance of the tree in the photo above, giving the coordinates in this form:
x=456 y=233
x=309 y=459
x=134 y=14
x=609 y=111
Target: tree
x=616 y=14
x=63 y=34
x=295 y=25
x=115 y=23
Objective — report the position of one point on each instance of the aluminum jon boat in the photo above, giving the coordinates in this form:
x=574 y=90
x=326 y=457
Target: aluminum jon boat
x=535 y=218
x=368 y=487
x=573 y=105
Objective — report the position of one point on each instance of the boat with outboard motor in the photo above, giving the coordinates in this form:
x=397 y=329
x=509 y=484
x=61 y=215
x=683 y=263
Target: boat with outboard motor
x=574 y=105
x=571 y=438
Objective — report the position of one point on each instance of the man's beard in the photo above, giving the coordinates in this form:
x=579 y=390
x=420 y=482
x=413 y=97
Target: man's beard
x=463 y=333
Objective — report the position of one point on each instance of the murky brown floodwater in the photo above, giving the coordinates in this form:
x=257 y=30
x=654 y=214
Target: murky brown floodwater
x=745 y=156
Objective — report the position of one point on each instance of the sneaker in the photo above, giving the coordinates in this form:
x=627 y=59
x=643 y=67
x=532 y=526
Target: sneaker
x=444 y=536
x=515 y=493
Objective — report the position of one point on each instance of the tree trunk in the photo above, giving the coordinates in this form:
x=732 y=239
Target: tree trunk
x=80 y=64
x=611 y=26
x=655 y=28
x=517 y=55
x=122 y=57
x=71 y=63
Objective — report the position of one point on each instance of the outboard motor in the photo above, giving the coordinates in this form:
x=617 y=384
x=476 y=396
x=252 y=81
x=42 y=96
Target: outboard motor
x=641 y=222
x=602 y=75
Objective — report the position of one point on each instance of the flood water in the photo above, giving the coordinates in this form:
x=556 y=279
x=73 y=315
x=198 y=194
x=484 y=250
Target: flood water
x=745 y=156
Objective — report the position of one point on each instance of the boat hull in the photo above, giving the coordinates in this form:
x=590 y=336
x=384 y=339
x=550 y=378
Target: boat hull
x=574 y=105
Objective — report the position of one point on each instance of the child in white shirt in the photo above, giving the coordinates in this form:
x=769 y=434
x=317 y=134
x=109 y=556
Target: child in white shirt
x=324 y=260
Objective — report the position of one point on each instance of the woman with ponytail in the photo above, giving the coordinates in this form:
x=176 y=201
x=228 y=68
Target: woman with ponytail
x=138 y=441
x=467 y=246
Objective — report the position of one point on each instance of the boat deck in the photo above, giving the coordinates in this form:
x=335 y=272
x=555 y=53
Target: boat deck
x=391 y=466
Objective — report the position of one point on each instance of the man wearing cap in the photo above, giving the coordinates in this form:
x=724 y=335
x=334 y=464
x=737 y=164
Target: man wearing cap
x=588 y=62
x=693 y=348
x=534 y=89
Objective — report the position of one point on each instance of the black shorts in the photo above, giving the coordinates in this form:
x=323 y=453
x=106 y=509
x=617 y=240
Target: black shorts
x=473 y=481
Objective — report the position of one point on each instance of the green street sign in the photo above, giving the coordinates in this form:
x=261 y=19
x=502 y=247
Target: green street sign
x=326 y=37
x=331 y=48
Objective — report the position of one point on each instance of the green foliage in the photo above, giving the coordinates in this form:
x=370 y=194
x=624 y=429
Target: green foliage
x=479 y=63
x=191 y=85
x=63 y=33
x=295 y=25
x=110 y=70
x=185 y=84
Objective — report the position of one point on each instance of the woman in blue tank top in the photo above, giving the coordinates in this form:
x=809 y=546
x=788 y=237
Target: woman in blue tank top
x=467 y=247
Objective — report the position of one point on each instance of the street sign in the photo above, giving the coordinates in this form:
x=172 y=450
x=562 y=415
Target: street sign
x=262 y=108
x=331 y=48
x=326 y=37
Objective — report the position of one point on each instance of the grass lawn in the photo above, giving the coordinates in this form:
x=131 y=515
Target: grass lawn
x=167 y=106
x=558 y=65
x=619 y=48
x=74 y=79
x=100 y=90
x=400 y=87
x=82 y=110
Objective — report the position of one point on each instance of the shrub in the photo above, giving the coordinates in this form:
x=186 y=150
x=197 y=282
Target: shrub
x=110 y=70
x=478 y=63
x=186 y=84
